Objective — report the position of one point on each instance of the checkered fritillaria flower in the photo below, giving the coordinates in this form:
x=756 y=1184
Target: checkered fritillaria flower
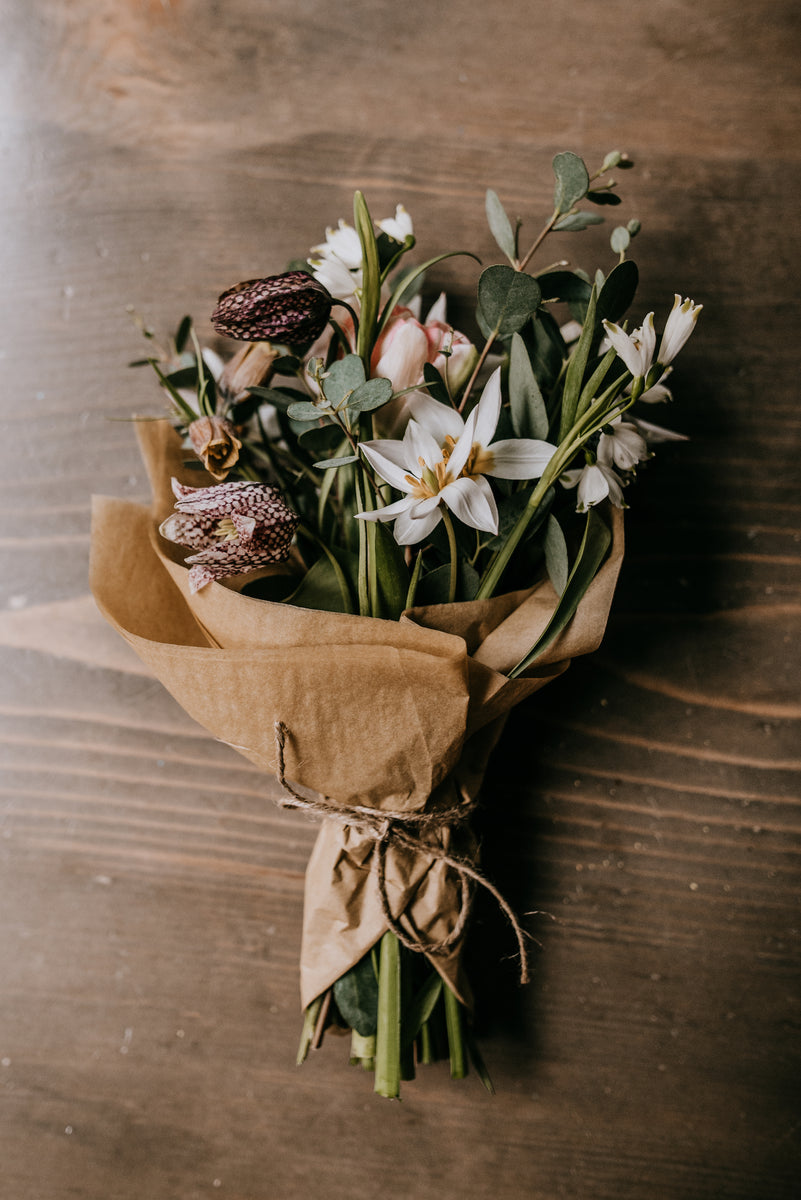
x=292 y=308
x=234 y=527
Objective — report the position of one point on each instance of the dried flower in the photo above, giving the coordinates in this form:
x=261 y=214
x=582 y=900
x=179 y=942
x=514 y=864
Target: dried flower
x=292 y=308
x=213 y=441
x=236 y=527
x=251 y=366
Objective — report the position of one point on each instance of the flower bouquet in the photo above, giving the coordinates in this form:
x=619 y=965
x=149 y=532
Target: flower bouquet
x=394 y=536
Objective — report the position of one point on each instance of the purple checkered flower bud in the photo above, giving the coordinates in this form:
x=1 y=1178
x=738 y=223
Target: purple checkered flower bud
x=234 y=527
x=292 y=308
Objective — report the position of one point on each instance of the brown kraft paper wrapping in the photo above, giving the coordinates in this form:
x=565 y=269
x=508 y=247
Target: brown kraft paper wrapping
x=380 y=714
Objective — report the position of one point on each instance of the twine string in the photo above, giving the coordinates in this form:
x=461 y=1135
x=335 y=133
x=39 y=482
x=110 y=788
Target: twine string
x=405 y=829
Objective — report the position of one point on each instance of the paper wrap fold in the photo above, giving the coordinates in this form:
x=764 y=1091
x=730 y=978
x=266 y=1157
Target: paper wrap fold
x=380 y=714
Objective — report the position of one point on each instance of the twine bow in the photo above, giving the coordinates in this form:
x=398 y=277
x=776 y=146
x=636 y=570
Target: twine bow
x=398 y=828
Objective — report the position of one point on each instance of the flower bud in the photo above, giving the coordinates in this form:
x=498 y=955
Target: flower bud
x=214 y=443
x=251 y=366
x=292 y=308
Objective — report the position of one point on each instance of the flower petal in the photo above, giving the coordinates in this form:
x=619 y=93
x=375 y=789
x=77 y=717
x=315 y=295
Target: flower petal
x=520 y=458
x=408 y=530
x=392 y=471
x=472 y=501
x=439 y=419
x=488 y=409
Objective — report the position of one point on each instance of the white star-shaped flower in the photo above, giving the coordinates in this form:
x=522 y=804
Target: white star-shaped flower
x=444 y=459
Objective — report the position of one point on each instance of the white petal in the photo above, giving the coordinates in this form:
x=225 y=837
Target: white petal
x=409 y=530
x=438 y=310
x=418 y=443
x=472 y=501
x=625 y=348
x=656 y=433
x=389 y=512
x=488 y=410
x=464 y=444
x=439 y=419
x=384 y=466
x=520 y=458
x=593 y=487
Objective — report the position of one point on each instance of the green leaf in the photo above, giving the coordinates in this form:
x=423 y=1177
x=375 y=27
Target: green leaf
x=500 y=225
x=344 y=376
x=356 y=996
x=564 y=285
x=556 y=559
x=324 y=587
x=329 y=464
x=304 y=410
x=507 y=298
x=575 y=222
x=404 y=287
x=182 y=333
x=618 y=292
x=572 y=181
x=436 y=384
x=603 y=197
x=280 y=398
x=392 y=573
x=592 y=551
x=422 y=1007
x=370 y=395
x=527 y=407
x=371 y=278
x=574 y=376
x=620 y=239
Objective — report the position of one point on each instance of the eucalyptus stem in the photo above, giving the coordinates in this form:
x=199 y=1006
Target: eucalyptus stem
x=388 y=1032
x=539 y=240
x=454 y=553
x=363 y=586
x=480 y=363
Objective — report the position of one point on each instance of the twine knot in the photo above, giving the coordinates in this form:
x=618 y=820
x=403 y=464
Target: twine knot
x=406 y=829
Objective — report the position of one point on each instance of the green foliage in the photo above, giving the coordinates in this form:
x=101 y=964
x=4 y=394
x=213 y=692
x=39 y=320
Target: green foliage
x=572 y=181
x=500 y=225
x=507 y=299
x=527 y=407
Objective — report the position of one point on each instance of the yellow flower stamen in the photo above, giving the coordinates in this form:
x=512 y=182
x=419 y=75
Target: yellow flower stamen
x=226 y=530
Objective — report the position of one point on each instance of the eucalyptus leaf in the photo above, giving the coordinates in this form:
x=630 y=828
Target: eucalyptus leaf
x=564 y=285
x=572 y=181
x=592 y=551
x=527 y=407
x=344 y=376
x=304 y=410
x=330 y=464
x=356 y=996
x=507 y=298
x=620 y=239
x=575 y=222
x=556 y=558
x=370 y=395
x=603 y=197
x=500 y=225
x=618 y=292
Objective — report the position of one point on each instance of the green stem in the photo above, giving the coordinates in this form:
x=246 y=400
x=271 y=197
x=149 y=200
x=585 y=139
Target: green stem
x=454 y=553
x=363 y=586
x=481 y=360
x=453 y=1022
x=539 y=239
x=388 y=1041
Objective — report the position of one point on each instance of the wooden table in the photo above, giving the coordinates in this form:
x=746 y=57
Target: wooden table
x=648 y=802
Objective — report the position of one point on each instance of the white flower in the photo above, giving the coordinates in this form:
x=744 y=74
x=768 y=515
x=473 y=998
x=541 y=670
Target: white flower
x=636 y=349
x=658 y=393
x=398 y=227
x=596 y=480
x=342 y=243
x=678 y=327
x=443 y=459
x=622 y=444
x=655 y=433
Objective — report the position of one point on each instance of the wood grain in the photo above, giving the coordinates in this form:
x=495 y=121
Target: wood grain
x=645 y=806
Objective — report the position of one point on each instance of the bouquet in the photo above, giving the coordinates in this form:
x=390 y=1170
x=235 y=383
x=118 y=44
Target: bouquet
x=372 y=535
